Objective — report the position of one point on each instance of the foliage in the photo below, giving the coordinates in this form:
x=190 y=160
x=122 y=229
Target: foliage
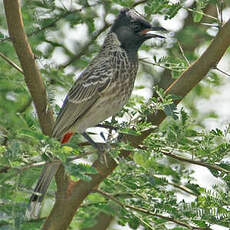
x=152 y=178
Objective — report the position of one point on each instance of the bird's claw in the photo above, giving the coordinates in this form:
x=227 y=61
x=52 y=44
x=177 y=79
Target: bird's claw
x=103 y=149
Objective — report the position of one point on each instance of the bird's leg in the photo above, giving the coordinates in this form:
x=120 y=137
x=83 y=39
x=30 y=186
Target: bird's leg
x=100 y=148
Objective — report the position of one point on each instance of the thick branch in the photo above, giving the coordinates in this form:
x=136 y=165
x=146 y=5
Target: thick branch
x=31 y=72
x=70 y=196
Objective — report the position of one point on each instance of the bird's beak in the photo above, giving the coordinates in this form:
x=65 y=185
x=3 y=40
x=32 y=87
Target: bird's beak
x=150 y=32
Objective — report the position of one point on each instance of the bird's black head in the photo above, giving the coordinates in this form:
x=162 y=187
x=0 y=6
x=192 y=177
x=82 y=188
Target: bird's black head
x=132 y=29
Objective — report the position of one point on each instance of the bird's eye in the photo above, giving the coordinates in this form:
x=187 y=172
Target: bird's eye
x=136 y=27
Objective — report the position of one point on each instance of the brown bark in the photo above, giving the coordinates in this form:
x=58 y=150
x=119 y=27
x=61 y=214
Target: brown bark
x=31 y=72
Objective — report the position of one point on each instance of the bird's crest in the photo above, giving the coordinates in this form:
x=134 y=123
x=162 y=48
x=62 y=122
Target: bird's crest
x=130 y=13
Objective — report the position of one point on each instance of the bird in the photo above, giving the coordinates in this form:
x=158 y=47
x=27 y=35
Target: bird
x=101 y=90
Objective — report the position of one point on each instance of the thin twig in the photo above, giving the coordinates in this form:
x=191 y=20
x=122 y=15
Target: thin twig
x=215 y=25
x=177 y=69
x=85 y=48
x=183 y=188
x=145 y=211
x=11 y=63
x=223 y=72
x=215 y=167
x=37 y=164
x=67 y=13
x=53 y=23
x=218 y=13
x=219 y=9
x=138 y=3
x=200 y=12
x=182 y=52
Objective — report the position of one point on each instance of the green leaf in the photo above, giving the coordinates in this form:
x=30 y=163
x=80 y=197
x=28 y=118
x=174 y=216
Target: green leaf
x=80 y=171
x=32 y=134
x=129 y=131
x=170 y=110
x=197 y=16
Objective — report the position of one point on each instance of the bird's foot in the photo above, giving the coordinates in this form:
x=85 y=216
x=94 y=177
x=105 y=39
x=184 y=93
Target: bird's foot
x=102 y=148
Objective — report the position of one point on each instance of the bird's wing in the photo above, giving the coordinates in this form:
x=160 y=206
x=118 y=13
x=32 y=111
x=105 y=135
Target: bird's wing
x=83 y=95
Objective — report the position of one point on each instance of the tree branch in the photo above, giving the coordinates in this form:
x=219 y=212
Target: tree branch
x=210 y=166
x=54 y=22
x=31 y=72
x=223 y=72
x=23 y=168
x=126 y=206
x=138 y=3
x=180 y=187
x=11 y=63
x=70 y=198
x=104 y=219
x=85 y=47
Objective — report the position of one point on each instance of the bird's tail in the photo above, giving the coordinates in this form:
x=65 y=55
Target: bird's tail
x=41 y=188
